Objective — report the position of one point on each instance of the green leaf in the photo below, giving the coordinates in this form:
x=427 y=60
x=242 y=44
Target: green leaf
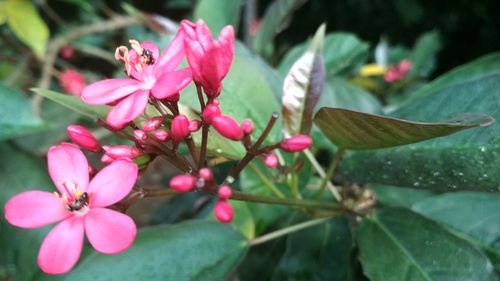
x=393 y=196
x=325 y=256
x=26 y=23
x=218 y=13
x=74 y=103
x=274 y=17
x=424 y=54
x=194 y=250
x=344 y=53
x=474 y=216
x=468 y=160
x=340 y=94
x=396 y=244
x=357 y=130
x=16 y=118
x=19 y=247
x=302 y=88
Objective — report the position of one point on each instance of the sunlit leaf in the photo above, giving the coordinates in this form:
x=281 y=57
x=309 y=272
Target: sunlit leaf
x=218 y=13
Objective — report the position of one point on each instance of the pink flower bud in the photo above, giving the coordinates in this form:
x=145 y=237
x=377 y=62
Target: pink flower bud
x=152 y=124
x=183 y=183
x=224 y=192
x=247 y=126
x=83 y=138
x=271 y=160
x=180 y=128
x=161 y=135
x=404 y=66
x=210 y=112
x=206 y=174
x=227 y=127
x=67 y=52
x=140 y=136
x=106 y=159
x=72 y=82
x=223 y=212
x=122 y=152
x=194 y=126
x=296 y=143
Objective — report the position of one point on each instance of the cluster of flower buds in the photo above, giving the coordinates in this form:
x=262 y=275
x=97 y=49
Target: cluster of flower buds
x=397 y=72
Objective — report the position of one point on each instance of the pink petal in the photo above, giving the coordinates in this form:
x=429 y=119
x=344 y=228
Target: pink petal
x=128 y=109
x=32 y=209
x=171 y=83
x=194 y=56
x=173 y=55
x=112 y=183
x=109 y=90
x=189 y=29
x=226 y=49
x=212 y=71
x=68 y=165
x=108 y=231
x=204 y=35
x=61 y=248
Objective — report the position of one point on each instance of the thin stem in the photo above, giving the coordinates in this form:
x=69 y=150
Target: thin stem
x=269 y=184
x=287 y=230
x=266 y=131
x=200 y=97
x=322 y=174
x=330 y=171
x=204 y=143
x=192 y=149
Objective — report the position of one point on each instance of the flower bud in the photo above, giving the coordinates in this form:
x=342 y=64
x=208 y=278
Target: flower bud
x=161 y=135
x=206 y=174
x=152 y=124
x=223 y=212
x=67 y=52
x=183 y=183
x=224 y=192
x=247 y=126
x=140 y=136
x=227 y=127
x=296 y=143
x=105 y=159
x=194 y=126
x=72 y=82
x=83 y=138
x=271 y=160
x=210 y=112
x=122 y=152
x=180 y=128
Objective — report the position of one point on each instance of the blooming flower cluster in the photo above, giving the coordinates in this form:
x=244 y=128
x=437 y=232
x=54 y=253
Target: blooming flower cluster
x=156 y=80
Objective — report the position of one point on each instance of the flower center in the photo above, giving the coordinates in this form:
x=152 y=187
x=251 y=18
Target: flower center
x=74 y=200
x=80 y=201
x=143 y=57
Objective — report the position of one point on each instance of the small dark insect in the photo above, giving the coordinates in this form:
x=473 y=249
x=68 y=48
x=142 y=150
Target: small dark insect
x=147 y=57
x=81 y=202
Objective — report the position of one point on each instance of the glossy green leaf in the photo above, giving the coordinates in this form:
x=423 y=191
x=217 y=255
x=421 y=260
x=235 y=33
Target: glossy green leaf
x=302 y=88
x=74 y=103
x=474 y=216
x=344 y=53
x=469 y=160
x=278 y=12
x=325 y=255
x=397 y=244
x=19 y=247
x=16 y=117
x=24 y=20
x=218 y=13
x=357 y=130
x=393 y=196
x=339 y=93
x=194 y=250
x=424 y=53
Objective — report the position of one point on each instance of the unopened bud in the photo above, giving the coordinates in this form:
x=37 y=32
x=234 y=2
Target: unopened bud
x=183 y=183
x=140 y=136
x=224 y=192
x=210 y=112
x=227 y=127
x=83 y=138
x=67 y=52
x=194 y=126
x=271 y=161
x=180 y=128
x=296 y=143
x=122 y=152
x=105 y=159
x=247 y=126
x=161 y=135
x=223 y=212
x=206 y=174
x=152 y=124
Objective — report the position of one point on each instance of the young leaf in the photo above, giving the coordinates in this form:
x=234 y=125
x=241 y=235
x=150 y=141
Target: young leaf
x=16 y=118
x=302 y=88
x=218 y=13
x=274 y=17
x=397 y=244
x=194 y=250
x=26 y=23
x=357 y=130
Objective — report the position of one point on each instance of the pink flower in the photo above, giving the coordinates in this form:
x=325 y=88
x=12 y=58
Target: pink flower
x=80 y=208
x=210 y=60
x=397 y=72
x=72 y=82
x=224 y=192
x=67 y=52
x=271 y=160
x=149 y=74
